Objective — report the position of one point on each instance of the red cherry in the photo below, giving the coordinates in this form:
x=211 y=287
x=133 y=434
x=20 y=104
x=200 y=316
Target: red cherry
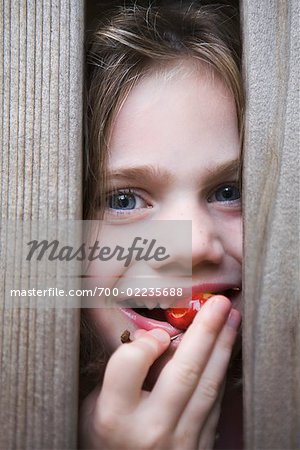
x=182 y=318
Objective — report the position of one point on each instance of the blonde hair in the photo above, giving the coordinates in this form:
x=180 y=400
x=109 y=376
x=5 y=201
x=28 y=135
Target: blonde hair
x=128 y=43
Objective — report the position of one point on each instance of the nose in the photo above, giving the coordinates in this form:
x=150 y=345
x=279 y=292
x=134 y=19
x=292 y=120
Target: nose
x=207 y=247
x=203 y=244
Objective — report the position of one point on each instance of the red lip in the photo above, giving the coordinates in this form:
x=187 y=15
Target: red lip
x=148 y=324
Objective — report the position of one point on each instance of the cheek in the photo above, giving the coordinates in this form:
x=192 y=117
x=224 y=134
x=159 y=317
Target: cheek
x=233 y=238
x=103 y=265
x=105 y=273
x=239 y=235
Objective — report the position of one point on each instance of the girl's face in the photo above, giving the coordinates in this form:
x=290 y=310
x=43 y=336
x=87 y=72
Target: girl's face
x=175 y=144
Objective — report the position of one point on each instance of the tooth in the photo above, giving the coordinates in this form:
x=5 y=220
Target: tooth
x=163 y=305
x=133 y=303
x=138 y=304
x=148 y=304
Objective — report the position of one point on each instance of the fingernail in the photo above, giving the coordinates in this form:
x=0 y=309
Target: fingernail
x=160 y=335
x=220 y=305
x=234 y=319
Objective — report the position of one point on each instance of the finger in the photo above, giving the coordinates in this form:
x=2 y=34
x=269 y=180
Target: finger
x=211 y=381
x=128 y=367
x=138 y=333
x=208 y=434
x=181 y=375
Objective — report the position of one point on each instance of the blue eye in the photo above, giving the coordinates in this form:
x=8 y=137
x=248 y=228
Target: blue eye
x=226 y=194
x=121 y=201
x=125 y=201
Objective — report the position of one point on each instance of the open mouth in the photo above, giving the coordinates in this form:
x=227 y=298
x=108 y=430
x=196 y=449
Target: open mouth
x=174 y=320
x=160 y=314
x=155 y=313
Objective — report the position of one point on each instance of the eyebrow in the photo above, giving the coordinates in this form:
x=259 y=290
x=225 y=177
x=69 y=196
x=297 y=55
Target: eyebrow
x=228 y=168
x=150 y=173
x=147 y=173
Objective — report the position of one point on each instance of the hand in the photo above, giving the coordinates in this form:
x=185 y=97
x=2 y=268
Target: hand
x=182 y=410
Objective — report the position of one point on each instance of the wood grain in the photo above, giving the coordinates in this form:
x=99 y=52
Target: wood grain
x=271 y=205
x=41 y=45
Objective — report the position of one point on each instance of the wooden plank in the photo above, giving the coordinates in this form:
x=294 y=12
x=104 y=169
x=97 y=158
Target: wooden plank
x=271 y=187
x=41 y=51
